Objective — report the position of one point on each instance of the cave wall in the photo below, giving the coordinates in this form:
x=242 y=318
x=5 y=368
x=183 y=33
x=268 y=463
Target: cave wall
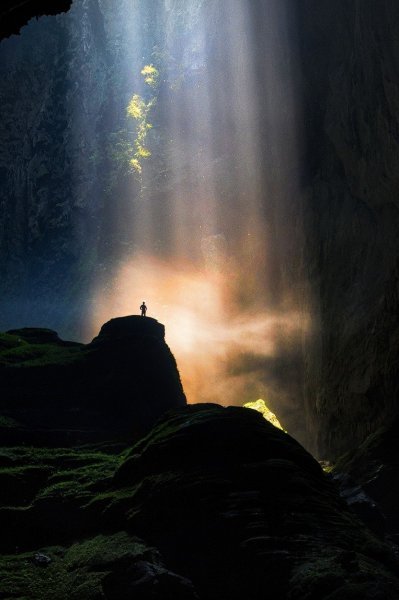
x=350 y=68
x=67 y=193
x=63 y=102
x=15 y=14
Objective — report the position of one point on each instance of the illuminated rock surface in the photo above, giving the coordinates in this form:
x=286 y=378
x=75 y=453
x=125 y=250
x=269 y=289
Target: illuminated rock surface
x=260 y=406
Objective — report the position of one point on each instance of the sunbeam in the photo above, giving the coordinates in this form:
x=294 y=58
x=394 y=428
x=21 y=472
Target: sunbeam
x=204 y=252
x=224 y=354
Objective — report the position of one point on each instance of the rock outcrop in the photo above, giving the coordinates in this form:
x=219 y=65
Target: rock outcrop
x=63 y=392
x=213 y=503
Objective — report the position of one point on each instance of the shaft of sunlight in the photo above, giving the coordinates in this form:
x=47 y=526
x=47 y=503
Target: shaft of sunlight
x=204 y=257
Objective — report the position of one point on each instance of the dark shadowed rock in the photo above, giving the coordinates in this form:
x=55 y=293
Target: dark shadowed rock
x=14 y=14
x=374 y=468
x=60 y=393
x=243 y=511
x=37 y=335
x=213 y=504
x=133 y=326
x=350 y=67
x=104 y=567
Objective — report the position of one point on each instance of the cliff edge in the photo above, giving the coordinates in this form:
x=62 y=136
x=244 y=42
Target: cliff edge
x=56 y=391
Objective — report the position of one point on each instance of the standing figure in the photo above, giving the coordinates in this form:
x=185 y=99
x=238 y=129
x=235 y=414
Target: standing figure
x=143 y=309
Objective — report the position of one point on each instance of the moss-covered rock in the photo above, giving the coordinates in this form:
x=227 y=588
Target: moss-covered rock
x=113 y=567
x=214 y=503
x=244 y=511
x=43 y=492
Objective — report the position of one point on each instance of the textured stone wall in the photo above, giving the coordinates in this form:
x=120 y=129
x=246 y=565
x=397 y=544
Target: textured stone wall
x=350 y=54
x=62 y=101
x=15 y=14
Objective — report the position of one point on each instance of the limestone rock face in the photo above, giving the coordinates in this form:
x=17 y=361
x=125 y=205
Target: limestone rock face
x=350 y=62
x=54 y=390
x=14 y=14
x=63 y=105
x=373 y=469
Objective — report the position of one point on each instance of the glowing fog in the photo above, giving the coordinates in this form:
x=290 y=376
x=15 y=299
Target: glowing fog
x=211 y=179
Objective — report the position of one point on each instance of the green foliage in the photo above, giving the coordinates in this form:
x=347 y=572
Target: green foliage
x=139 y=110
x=136 y=165
x=151 y=75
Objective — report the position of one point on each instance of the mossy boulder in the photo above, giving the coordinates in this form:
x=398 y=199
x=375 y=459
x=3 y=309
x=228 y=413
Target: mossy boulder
x=43 y=493
x=113 y=567
x=242 y=510
x=213 y=503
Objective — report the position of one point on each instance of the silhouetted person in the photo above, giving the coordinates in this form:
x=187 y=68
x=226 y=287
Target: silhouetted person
x=143 y=309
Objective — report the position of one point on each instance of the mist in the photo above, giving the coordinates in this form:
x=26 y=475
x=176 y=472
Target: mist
x=224 y=354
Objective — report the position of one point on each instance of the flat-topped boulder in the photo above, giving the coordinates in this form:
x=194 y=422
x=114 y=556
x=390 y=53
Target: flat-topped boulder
x=115 y=387
x=131 y=326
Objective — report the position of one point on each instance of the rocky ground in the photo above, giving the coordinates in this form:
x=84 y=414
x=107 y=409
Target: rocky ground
x=213 y=503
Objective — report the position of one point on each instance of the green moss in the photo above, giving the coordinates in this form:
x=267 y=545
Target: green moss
x=260 y=406
x=30 y=355
x=78 y=482
x=36 y=347
x=43 y=473
x=63 y=458
x=76 y=572
x=8 y=341
x=103 y=551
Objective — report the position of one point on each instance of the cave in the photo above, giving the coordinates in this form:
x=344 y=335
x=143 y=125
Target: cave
x=233 y=166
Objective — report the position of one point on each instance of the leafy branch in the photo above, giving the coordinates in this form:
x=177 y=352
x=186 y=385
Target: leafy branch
x=139 y=110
